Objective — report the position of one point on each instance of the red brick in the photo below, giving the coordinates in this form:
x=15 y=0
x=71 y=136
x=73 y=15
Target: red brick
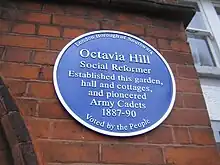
x=76 y=10
x=47 y=58
x=67 y=130
x=73 y=130
x=131 y=154
x=128 y=17
x=164 y=44
x=72 y=33
x=53 y=110
x=173 y=69
x=143 y=20
x=39 y=128
x=152 y=41
x=49 y=30
x=190 y=109
x=16 y=88
x=90 y=135
x=202 y=136
x=154 y=136
x=23 y=41
x=65 y=152
x=168 y=24
x=46 y=73
x=27 y=107
x=178 y=101
x=38 y=152
x=187 y=71
x=182 y=35
x=17 y=55
x=180 y=46
x=135 y=29
x=192 y=156
x=41 y=90
x=194 y=101
x=19 y=71
x=166 y=33
x=96 y=13
x=124 y=16
x=24 y=28
x=157 y=32
x=58 y=44
x=188 y=117
x=35 y=17
x=181 y=135
x=186 y=85
x=5 y=25
x=177 y=57
x=74 y=21
x=29 y=6
x=52 y=8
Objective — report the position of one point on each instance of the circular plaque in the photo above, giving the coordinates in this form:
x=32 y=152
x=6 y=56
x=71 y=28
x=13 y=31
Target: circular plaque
x=114 y=83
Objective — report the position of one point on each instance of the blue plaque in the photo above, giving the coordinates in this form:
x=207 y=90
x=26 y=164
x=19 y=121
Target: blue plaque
x=114 y=83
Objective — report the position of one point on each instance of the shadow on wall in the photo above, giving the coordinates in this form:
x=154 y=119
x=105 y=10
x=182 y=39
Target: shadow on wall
x=5 y=152
x=4 y=9
x=15 y=142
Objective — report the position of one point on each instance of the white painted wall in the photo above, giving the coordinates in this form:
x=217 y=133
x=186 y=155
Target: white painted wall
x=211 y=92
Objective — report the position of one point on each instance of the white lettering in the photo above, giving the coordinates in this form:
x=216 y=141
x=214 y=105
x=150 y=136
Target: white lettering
x=102 y=103
x=82 y=53
x=85 y=53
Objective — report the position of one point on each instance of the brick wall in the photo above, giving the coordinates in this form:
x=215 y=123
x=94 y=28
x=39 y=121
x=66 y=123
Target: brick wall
x=32 y=36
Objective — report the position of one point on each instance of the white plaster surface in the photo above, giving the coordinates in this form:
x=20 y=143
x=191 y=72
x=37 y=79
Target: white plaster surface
x=211 y=92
